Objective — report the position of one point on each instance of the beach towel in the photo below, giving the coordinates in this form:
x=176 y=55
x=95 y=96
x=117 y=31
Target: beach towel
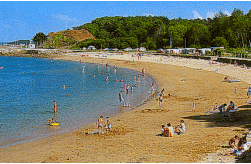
x=217 y=111
x=233 y=80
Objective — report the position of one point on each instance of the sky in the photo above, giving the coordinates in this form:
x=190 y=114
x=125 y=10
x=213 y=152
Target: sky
x=23 y=19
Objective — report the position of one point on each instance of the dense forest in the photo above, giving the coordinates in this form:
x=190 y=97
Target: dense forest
x=155 y=32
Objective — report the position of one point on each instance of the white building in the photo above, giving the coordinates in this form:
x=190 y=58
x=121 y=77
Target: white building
x=142 y=49
x=203 y=50
x=32 y=46
x=91 y=47
x=175 y=51
x=190 y=50
x=128 y=49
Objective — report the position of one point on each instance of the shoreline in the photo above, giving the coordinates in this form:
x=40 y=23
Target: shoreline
x=182 y=99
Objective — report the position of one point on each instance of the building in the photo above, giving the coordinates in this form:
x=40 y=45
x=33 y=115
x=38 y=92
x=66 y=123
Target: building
x=127 y=49
x=175 y=51
x=213 y=48
x=91 y=47
x=204 y=50
x=32 y=45
x=142 y=49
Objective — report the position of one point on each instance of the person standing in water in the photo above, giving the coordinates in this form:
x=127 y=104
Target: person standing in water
x=127 y=89
x=55 y=106
x=121 y=98
x=143 y=72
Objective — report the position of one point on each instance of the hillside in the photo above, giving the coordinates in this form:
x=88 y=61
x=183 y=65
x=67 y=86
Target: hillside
x=77 y=35
x=68 y=37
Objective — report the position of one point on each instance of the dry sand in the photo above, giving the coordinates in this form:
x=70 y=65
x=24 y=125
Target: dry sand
x=135 y=133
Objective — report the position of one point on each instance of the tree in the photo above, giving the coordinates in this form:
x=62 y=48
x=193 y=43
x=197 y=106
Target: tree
x=219 y=42
x=39 y=38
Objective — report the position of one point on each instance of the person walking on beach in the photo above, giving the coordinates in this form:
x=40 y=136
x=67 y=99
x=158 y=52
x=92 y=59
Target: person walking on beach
x=193 y=106
x=162 y=92
x=55 y=107
x=121 y=98
x=160 y=100
x=100 y=126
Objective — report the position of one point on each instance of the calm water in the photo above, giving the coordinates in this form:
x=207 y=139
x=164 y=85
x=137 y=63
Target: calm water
x=29 y=86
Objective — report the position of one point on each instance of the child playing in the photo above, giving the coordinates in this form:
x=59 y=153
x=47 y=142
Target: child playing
x=108 y=124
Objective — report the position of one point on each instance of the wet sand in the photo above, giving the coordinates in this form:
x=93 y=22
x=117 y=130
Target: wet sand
x=135 y=133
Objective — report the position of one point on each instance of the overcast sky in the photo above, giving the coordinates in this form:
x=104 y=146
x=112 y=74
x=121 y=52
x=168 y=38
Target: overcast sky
x=22 y=20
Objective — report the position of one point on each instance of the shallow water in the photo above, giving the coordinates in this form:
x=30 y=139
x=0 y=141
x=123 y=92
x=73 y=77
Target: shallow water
x=29 y=86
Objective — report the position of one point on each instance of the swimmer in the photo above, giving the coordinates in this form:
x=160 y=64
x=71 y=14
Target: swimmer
x=93 y=75
x=107 y=78
x=51 y=121
x=63 y=86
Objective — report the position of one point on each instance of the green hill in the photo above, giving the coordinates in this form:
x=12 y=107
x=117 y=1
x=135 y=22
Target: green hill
x=160 y=32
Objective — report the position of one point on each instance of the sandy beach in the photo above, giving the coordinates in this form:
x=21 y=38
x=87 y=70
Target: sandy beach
x=135 y=136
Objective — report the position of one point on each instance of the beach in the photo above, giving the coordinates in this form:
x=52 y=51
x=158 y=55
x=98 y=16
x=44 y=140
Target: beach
x=136 y=132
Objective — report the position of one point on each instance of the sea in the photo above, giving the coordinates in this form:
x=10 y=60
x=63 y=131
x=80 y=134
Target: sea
x=28 y=87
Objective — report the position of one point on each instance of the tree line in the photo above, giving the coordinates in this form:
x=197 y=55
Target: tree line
x=155 y=32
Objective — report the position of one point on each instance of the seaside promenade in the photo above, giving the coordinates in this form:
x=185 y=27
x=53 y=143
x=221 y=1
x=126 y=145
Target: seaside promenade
x=136 y=133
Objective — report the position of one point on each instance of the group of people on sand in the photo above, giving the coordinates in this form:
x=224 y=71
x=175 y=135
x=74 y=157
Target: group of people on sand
x=169 y=131
x=223 y=111
x=104 y=124
x=238 y=146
